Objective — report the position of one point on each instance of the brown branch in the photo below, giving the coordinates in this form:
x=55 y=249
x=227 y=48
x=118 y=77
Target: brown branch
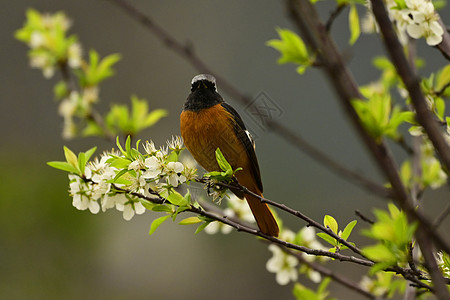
x=363 y=217
x=439 y=219
x=444 y=46
x=311 y=222
x=334 y=14
x=186 y=51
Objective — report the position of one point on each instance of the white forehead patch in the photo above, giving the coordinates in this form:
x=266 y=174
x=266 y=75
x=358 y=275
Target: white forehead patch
x=207 y=77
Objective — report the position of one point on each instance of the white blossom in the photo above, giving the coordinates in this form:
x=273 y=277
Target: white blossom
x=283 y=264
x=418 y=19
x=173 y=173
x=130 y=208
x=155 y=167
x=74 y=53
x=81 y=191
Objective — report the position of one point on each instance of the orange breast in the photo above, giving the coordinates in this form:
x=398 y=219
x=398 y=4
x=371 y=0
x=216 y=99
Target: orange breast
x=205 y=131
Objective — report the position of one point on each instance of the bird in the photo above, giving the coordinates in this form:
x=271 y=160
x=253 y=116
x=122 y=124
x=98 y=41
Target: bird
x=207 y=122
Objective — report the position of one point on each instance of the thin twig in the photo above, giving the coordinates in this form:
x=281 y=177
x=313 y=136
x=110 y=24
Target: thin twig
x=334 y=14
x=363 y=217
x=438 y=221
x=186 y=51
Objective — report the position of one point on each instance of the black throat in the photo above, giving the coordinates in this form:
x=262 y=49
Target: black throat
x=203 y=95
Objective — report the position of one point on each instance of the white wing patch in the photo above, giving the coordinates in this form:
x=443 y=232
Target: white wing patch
x=251 y=139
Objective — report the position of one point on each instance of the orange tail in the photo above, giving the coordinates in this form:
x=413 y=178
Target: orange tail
x=263 y=215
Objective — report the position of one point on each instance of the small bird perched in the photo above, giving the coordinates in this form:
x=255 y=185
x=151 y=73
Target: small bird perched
x=207 y=123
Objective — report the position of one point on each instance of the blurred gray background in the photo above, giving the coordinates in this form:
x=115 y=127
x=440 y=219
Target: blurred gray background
x=50 y=250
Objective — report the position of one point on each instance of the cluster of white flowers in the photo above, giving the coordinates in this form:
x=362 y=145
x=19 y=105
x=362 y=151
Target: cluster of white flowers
x=95 y=187
x=75 y=103
x=285 y=265
x=416 y=18
x=373 y=285
x=44 y=41
x=281 y=263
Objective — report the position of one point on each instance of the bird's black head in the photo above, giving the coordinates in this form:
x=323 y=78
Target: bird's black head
x=203 y=93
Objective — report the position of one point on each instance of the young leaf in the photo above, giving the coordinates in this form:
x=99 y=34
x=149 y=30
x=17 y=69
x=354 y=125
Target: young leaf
x=223 y=163
x=81 y=162
x=327 y=238
x=120 y=146
x=128 y=147
x=190 y=221
x=201 y=227
x=64 y=166
x=153 y=117
x=176 y=198
x=90 y=152
x=353 y=21
x=156 y=223
x=348 y=229
x=329 y=221
x=71 y=157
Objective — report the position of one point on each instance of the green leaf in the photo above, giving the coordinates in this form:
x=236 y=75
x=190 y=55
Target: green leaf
x=64 y=166
x=379 y=252
x=440 y=107
x=119 y=162
x=190 y=221
x=60 y=90
x=201 y=227
x=120 y=146
x=348 y=230
x=223 y=163
x=147 y=204
x=128 y=147
x=81 y=161
x=153 y=117
x=327 y=238
x=71 y=157
x=353 y=21
x=97 y=71
x=176 y=198
x=90 y=152
x=443 y=78
x=92 y=129
x=162 y=208
x=156 y=223
x=330 y=222
x=292 y=49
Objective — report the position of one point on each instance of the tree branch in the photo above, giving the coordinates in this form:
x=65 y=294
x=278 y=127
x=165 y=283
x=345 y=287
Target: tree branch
x=289 y=210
